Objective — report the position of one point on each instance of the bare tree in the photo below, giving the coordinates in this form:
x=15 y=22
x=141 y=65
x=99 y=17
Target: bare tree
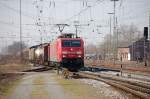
x=11 y=53
x=90 y=49
x=14 y=49
x=127 y=34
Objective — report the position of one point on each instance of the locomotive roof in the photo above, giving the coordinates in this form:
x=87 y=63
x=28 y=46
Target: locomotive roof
x=70 y=38
x=66 y=35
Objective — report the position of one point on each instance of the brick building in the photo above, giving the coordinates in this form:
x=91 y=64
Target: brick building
x=124 y=54
x=137 y=49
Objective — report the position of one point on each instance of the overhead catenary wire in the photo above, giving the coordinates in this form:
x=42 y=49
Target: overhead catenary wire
x=121 y=2
x=80 y=12
x=16 y=10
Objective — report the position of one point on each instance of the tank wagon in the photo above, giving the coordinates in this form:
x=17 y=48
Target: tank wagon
x=66 y=51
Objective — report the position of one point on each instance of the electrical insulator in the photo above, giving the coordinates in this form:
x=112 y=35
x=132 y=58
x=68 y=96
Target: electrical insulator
x=41 y=11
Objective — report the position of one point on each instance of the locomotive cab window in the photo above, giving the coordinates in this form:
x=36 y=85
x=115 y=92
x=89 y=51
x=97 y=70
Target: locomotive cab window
x=71 y=43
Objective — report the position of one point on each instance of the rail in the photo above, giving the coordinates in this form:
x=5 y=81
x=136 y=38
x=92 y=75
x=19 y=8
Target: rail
x=138 y=89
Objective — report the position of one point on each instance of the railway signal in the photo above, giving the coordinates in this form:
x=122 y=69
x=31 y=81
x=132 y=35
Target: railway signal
x=146 y=33
x=145 y=45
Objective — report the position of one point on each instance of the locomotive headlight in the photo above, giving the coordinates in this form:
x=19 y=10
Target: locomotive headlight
x=79 y=52
x=64 y=56
x=79 y=55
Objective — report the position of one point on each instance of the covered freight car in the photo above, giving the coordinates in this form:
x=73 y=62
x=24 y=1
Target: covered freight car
x=32 y=54
x=46 y=48
x=38 y=54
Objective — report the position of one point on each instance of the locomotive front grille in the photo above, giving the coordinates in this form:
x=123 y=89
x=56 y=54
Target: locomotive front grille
x=72 y=64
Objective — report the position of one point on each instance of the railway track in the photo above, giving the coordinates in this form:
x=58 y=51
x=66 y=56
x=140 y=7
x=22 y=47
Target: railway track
x=125 y=74
x=40 y=69
x=139 y=89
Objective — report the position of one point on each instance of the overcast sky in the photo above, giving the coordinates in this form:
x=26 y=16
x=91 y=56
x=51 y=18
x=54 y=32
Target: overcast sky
x=91 y=12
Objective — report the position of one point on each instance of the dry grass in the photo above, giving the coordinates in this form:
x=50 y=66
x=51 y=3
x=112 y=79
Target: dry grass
x=13 y=67
x=8 y=82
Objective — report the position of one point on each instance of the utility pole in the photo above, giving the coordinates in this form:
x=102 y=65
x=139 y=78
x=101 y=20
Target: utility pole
x=114 y=31
x=110 y=30
x=149 y=26
x=117 y=32
x=20 y=31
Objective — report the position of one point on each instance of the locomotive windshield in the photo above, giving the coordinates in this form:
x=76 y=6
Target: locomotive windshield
x=71 y=43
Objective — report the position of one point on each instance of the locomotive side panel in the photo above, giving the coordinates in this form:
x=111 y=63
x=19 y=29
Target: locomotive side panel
x=59 y=50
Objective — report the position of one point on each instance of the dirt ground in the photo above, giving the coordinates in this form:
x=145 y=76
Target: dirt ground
x=7 y=81
x=9 y=74
x=49 y=85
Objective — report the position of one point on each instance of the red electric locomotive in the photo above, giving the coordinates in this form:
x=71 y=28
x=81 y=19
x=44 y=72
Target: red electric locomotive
x=67 y=52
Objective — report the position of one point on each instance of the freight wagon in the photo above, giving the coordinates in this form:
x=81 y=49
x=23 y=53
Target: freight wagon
x=38 y=54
